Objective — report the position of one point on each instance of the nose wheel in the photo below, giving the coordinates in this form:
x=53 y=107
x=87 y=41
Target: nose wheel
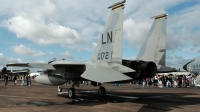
x=102 y=91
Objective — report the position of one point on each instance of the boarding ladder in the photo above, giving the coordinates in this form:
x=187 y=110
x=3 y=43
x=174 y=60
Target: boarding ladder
x=197 y=80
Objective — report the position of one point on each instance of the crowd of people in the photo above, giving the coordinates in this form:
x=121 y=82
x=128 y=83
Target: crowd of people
x=24 y=78
x=158 y=80
x=167 y=81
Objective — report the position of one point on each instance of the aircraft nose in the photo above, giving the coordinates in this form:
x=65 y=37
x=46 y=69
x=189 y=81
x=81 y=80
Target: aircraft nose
x=36 y=79
x=185 y=66
x=50 y=79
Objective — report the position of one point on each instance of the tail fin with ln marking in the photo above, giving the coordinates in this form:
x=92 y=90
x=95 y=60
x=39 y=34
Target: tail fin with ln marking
x=106 y=64
x=109 y=47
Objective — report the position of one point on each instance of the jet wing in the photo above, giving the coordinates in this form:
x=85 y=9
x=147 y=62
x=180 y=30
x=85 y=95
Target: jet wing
x=19 y=71
x=63 y=63
x=102 y=74
x=33 y=65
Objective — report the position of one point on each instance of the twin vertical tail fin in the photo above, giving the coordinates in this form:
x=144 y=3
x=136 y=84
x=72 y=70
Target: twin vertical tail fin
x=109 y=47
x=106 y=62
x=154 y=46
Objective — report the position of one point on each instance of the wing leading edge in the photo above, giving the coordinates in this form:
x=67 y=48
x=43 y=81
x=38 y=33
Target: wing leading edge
x=33 y=65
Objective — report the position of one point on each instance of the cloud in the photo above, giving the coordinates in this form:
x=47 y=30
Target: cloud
x=67 y=55
x=75 y=26
x=183 y=28
x=5 y=60
x=135 y=31
x=176 y=61
x=26 y=51
x=39 y=61
x=53 y=22
x=40 y=26
x=42 y=33
x=51 y=53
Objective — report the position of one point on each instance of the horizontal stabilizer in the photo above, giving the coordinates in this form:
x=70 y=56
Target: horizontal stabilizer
x=102 y=74
x=33 y=65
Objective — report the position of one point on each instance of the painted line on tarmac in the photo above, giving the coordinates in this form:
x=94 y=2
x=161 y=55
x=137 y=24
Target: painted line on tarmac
x=129 y=97
x=40 y=97
x=158 y=96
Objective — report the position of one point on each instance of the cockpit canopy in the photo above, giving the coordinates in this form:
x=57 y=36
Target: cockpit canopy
x=55 y=59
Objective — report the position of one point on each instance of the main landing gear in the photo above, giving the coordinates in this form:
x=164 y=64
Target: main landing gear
x=101 y=90
x=71 y=91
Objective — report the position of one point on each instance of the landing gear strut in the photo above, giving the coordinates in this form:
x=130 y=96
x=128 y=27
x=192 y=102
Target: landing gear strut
x=59 y=89
x=71 y=91
x=101 y=90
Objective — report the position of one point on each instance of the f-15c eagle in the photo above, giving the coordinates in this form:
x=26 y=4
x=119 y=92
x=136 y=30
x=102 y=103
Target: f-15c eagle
x=106 y=64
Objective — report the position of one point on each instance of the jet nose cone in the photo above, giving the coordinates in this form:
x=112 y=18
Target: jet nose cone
x=50 y=79
x=35 y=78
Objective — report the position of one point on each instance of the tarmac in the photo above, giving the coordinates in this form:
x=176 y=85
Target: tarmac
x=125 y=98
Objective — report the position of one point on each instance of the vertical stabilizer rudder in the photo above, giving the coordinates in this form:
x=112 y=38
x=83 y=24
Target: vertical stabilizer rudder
x=109 y=47
x=106 y=63
x=152 y=53
x=154 y=46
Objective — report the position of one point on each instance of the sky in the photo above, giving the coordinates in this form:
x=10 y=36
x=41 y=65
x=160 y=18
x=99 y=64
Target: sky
x=35 y=31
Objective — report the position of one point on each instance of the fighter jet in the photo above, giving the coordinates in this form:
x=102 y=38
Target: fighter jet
x=22 y=71
x=153 y=50
x=193 y=66
x=105 y=65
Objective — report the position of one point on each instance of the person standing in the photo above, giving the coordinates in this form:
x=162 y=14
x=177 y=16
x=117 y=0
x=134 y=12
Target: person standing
x=170 y=80
x=14 y=78
x=188 y=80
x=147 y=81
x=6 y=79
x=184 y=81
x=192 y=78
x=155 y=81
x=160 y=84
x=174 y=80
x=177 y=81
x=29 y=80
x=23 y=79
x=180 y=80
